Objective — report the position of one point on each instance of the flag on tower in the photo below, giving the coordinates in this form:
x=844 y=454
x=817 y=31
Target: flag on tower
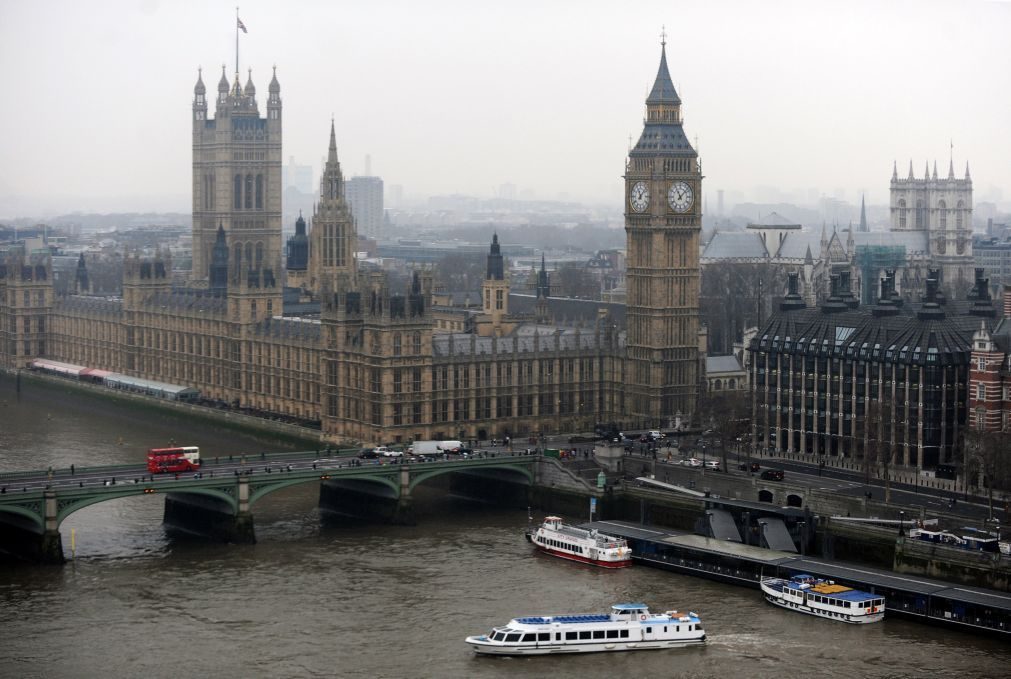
x=241 y=25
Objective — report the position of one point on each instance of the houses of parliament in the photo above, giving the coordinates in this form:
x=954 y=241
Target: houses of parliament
x=372 y=366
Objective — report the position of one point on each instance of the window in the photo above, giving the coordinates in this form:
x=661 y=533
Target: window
x=980 y=392
x=259 y=192
x=248 y=202
x=237 y=193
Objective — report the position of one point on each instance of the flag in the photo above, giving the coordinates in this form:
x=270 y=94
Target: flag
x=241 y=25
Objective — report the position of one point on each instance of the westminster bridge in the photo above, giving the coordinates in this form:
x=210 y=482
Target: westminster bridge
x=217 y=501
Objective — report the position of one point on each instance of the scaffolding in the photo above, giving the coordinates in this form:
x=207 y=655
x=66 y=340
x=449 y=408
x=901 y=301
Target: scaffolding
x=871 y=260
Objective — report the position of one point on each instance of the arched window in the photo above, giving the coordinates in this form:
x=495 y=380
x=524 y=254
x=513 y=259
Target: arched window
x=237 y=257
x=397 y=348
x=249 y=192
x=919 y=215
x=259 y=255
x=249 y=255
x=958 y=214
x=417 y=343
x=259 y=192
x=902 y=214
x=237 y=203
x=942 y=210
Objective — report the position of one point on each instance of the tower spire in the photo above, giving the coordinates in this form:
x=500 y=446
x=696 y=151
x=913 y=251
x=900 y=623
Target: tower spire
x=863 y=215
x=967 y=170
x=895 y=170
x=911 y=169
x=935 y=170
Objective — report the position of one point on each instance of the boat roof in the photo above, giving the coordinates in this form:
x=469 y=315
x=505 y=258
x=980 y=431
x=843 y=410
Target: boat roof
x=626 y=607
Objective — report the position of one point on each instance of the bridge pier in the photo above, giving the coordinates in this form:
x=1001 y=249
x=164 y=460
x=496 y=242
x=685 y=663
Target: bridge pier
x=403 y=513
x=211 y=517
x=51 y=543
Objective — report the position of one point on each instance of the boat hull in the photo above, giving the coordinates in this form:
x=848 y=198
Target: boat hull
x=485 y=647
x=774 y=598
x=582 y=559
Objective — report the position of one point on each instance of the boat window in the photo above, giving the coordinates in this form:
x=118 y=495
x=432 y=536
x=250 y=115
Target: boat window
x=623 y=633
x=558 y=636
x=544 y=636
x=612 y=634
x=512 y=637
x=678 y=628
x=530 y=637
x=569 y=636
x=846 y=604
x=497 y=636
x=598 y=634
x=698 y=627
x=689 y=628
x=585 y=635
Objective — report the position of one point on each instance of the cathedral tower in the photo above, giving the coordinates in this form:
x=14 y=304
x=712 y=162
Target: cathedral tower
x=237 y=177
x=662 y=222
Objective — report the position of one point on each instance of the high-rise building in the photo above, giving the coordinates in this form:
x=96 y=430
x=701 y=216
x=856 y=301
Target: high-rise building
x=237 y=177
x=663 y=219
x=298 y=177
x=365 y=194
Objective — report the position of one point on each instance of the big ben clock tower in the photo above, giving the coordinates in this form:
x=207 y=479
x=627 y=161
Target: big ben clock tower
x=662 y=221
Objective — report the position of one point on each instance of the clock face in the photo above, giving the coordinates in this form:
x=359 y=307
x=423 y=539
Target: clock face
x=680 y=197
x=638 y=197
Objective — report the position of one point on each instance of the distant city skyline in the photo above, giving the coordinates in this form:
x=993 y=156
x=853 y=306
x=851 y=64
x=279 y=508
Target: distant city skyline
x=796 y=100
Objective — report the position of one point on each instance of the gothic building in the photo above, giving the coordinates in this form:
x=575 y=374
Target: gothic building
x=940 y=209
x=371 y=367
x=663 y=219
x=237 y=176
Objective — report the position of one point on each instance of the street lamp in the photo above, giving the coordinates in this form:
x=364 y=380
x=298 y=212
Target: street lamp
x=803 y=537
x=902 y=520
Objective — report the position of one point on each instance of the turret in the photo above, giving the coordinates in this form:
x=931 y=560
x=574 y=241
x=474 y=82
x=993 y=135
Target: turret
x=222 y=89
x=199 y=99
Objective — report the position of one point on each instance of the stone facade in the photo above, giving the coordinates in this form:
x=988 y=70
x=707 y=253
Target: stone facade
x=663 y=220
x=373 y=366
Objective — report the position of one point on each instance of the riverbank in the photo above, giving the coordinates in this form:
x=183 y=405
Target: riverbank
x=281 y=432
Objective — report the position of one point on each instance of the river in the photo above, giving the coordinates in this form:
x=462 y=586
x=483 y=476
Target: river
x=319 y=596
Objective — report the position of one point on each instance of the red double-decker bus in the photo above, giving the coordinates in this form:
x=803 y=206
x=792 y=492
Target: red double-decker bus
x=167 y=460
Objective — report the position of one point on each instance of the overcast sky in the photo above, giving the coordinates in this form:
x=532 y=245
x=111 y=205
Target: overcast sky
x=463 y=96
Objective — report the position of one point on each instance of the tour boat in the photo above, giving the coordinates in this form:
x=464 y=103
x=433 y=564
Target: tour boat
x=824 y=598
x=577 y=544
x=628 y=627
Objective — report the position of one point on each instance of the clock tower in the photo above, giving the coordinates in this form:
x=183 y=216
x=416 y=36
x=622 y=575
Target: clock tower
x=663 y=219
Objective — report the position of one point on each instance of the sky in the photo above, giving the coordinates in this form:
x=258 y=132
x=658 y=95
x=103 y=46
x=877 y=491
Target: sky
x=803 y=98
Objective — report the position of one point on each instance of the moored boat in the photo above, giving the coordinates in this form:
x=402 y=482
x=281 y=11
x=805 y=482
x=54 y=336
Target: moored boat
x=824 y=598
x=578 y=544
x=628 y=627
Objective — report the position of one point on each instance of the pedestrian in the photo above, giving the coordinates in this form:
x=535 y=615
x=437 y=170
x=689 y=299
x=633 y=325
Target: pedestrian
x=71 y=470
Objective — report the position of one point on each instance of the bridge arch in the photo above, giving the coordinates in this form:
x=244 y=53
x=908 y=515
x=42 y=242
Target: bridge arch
x=794 y=500
x=765 y=495
x=68 y=507
x=266 y=489
x=36 y=519
x=524 y=471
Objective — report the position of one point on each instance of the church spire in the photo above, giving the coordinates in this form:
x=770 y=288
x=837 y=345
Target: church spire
x=863 y=215
x=895 y=170
x=935 y=171
x=911 y=169
x=951 y=168
x=967 y=170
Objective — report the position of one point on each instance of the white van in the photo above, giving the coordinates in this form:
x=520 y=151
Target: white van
x=434 y=447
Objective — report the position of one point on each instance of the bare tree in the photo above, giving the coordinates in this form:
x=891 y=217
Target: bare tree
x=728 y=414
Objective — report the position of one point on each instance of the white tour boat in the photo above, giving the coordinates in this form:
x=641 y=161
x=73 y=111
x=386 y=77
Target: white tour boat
x=628 y=627
x=577 y=544
x=824 y=598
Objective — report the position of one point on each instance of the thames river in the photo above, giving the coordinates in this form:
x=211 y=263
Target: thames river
x=319 y=596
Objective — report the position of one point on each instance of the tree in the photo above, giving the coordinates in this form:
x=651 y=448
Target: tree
x=461 y=272
x=573 y=280
x=735 y=296
x=879 y=450
x=727 y=413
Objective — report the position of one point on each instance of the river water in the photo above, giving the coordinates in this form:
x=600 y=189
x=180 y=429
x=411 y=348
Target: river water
x=319 y=596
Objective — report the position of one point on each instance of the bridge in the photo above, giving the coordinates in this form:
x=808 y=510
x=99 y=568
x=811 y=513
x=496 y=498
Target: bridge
x=217 y=501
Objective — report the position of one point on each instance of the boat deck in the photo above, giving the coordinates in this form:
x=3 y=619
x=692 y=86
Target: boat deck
x=598 y=617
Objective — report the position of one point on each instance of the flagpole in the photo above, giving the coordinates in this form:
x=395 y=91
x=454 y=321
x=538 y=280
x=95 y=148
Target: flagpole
x=236 y=41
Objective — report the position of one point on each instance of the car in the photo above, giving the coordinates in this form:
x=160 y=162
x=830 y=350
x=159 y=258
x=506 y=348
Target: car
x=755 y=467
x=383 y=451
x=656 y=435
x=773 y=474
x=712 y=464
x=691 y=462
x=368 y=454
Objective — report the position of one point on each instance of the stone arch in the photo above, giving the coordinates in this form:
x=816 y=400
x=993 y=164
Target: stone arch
x=794 y=500
x=902 y=213
x=765 y=495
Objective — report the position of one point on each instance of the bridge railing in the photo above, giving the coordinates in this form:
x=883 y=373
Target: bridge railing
x=206 y=461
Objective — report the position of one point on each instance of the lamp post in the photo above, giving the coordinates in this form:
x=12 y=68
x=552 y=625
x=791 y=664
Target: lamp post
x=902 y=520
x=803 y=537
